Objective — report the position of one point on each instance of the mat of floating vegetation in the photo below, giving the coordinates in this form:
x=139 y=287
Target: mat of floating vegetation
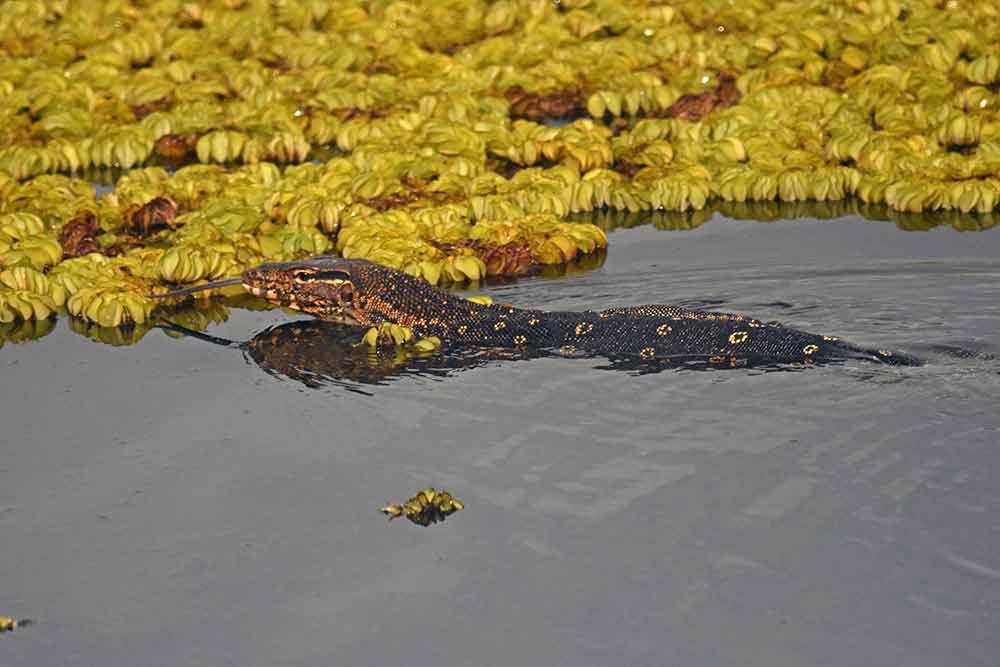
x=419 y=134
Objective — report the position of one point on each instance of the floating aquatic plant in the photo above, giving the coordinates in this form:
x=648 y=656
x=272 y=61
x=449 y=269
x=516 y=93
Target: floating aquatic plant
x=9 y=624
x=425 y=508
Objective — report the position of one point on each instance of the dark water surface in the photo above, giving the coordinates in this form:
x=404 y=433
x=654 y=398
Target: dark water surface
x=171 y=504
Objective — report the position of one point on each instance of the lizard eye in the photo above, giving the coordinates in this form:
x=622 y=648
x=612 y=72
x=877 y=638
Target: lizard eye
x=302 y=276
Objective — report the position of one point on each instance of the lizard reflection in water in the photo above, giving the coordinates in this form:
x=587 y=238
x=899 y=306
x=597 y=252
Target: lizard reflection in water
x=318 y=353
x=360 y=293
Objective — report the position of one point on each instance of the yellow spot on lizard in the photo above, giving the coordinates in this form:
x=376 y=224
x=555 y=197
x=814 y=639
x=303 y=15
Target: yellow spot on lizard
x=738 y=337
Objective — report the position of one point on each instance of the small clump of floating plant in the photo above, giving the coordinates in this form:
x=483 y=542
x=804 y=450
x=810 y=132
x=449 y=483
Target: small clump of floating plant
x=425 y=508
x=9 y=624
x=394 y=335
x=420 y=135
x=404 y=339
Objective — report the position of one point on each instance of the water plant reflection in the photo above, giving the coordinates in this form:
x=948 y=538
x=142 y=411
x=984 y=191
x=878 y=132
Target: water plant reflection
x=772 y=211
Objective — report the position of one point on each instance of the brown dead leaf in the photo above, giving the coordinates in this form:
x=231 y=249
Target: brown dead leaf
x=693 y=107
x=536 y=106
x=156 y=214
x=175 y=146
x=77 y=235
x=140 y=111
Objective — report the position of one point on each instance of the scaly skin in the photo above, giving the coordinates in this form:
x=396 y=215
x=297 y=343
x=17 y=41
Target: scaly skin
x=361 y=293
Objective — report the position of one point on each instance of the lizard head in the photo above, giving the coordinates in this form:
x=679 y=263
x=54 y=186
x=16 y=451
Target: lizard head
x=329 y=288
